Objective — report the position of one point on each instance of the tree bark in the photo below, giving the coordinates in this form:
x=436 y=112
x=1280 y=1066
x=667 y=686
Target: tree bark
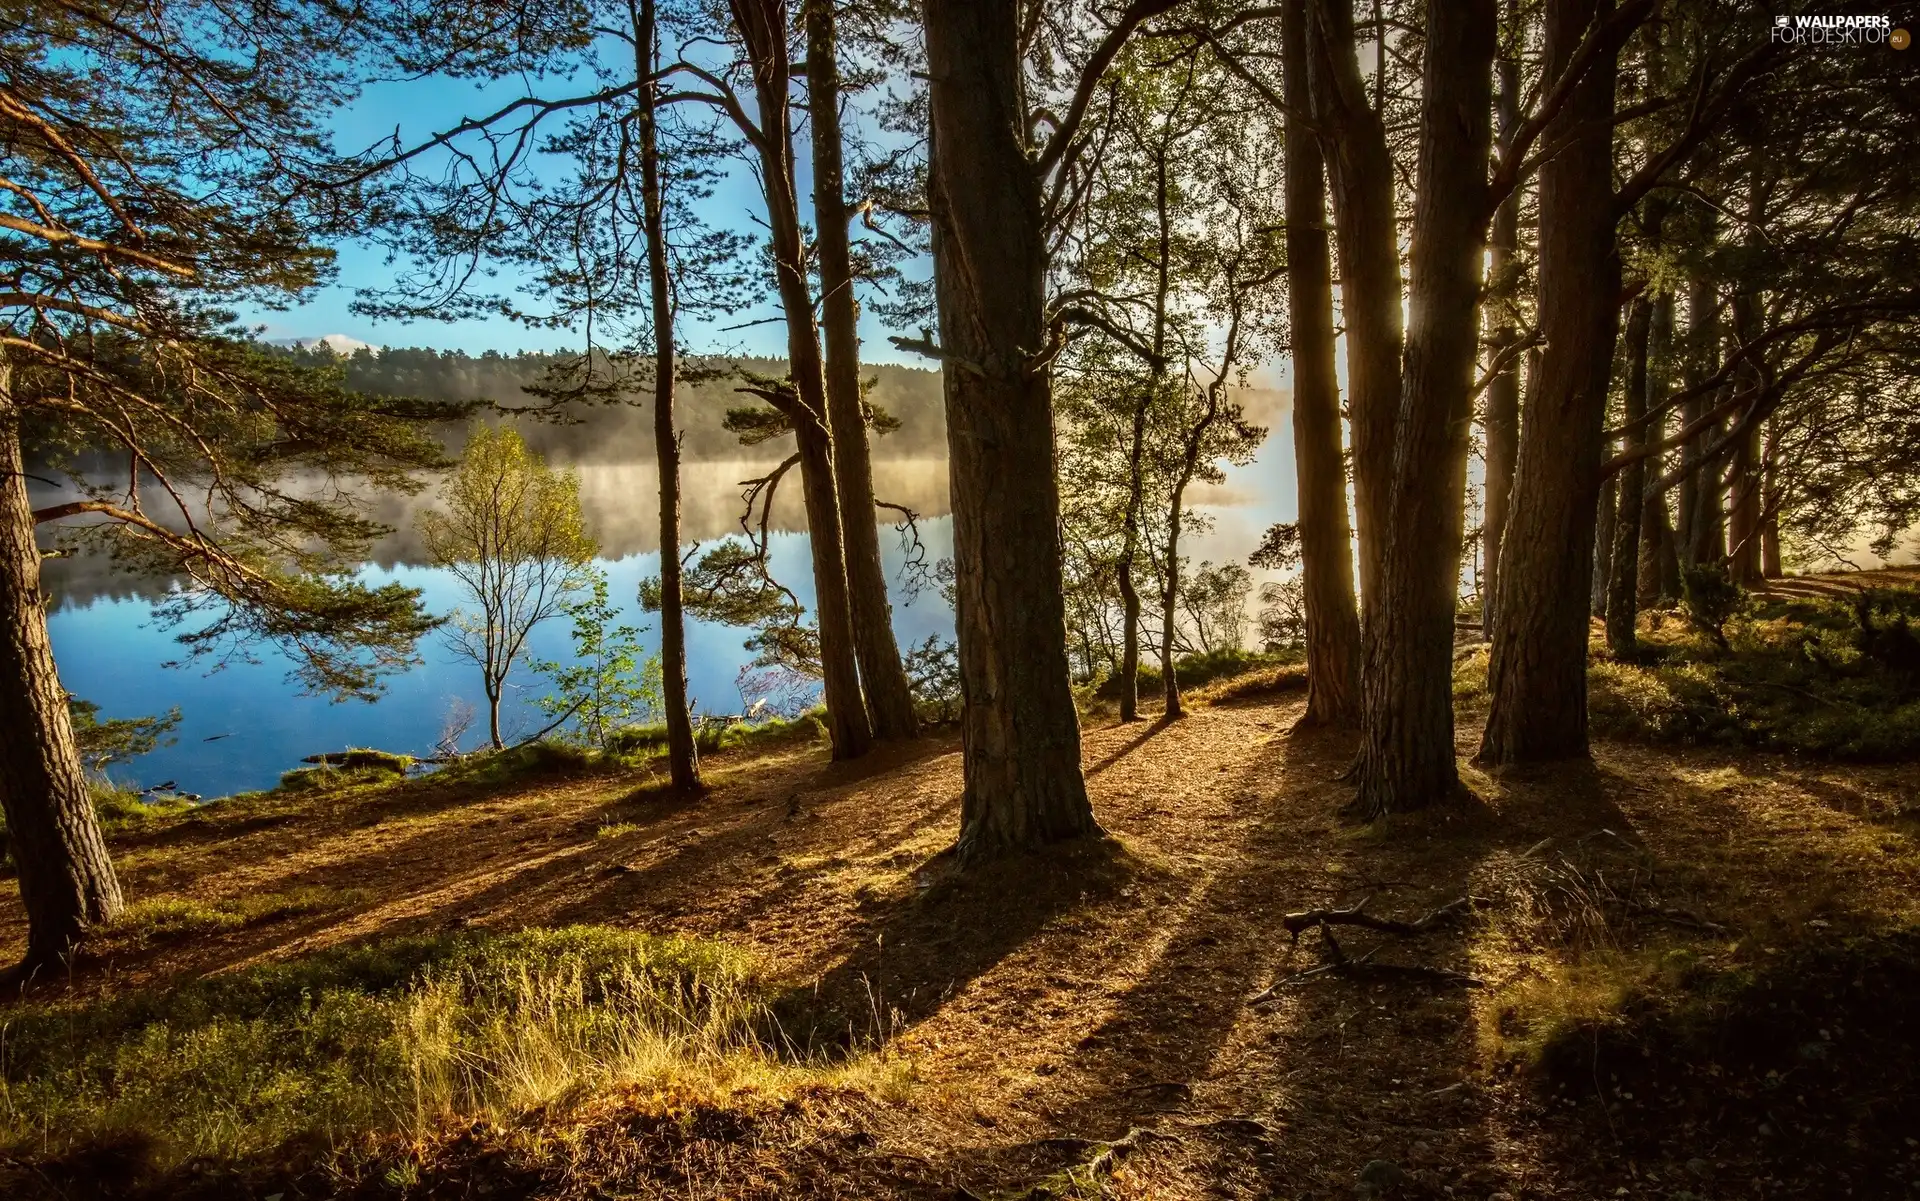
x=1360 y=174
x=67 y=882
x=1129 y=550
x=1407 y=754
x=1743 y=509
x=1623 y=587
x=1770 y=566
x=1702 y=528
x=1538 y=668
x=1659 y=574
x=1605 y=515
x=1326 y=536
x=1502 y=424
x=1021 y=733
x=763 y=27
x=1170 y=602
x=883 y=676
x=683 y=752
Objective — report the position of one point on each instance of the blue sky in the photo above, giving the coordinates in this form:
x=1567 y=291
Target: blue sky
x=419 y=108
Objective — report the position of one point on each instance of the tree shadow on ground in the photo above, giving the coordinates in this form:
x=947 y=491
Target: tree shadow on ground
x=1298 y=1093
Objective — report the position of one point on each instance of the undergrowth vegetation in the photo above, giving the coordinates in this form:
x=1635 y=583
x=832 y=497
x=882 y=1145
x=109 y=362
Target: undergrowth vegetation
x=1201 y=671
x=1833 y=678
x=169 y=919
x=405 y=1036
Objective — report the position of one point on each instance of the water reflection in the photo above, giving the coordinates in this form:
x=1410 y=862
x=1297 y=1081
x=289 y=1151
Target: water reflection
x=245 y=724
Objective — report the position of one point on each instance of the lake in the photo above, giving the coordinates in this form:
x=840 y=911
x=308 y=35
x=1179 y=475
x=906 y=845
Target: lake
x=244 y=723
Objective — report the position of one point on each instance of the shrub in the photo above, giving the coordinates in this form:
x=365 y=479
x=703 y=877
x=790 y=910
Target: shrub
x=1711 y=599
x=1814 y=676
x=1197 y=671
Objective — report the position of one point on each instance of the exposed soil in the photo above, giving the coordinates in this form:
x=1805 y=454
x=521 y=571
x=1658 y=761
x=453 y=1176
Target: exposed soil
x=1049 y=1007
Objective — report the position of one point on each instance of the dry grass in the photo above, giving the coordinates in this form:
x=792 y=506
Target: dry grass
x=404 y=1037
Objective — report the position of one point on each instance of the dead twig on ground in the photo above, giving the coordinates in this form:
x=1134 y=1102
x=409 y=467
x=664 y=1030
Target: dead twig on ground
x=1355 y=915
x=1341 y=964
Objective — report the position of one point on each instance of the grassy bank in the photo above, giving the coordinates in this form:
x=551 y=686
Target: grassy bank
x=307 y=1059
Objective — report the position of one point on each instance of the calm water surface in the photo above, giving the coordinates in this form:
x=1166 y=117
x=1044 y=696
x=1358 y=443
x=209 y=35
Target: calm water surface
x=244 y=724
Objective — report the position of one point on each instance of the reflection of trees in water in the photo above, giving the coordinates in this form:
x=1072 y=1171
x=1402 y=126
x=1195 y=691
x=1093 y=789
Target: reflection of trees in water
x=618 y=480
x=618 y=498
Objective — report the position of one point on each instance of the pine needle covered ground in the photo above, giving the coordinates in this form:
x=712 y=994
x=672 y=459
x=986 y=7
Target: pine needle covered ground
x=1680 y=972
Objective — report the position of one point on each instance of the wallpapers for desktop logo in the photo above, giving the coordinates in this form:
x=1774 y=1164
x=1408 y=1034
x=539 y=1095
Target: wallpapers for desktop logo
x=1838 y=32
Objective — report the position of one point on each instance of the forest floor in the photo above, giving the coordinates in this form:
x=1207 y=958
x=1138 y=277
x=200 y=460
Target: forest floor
x=1692 y=970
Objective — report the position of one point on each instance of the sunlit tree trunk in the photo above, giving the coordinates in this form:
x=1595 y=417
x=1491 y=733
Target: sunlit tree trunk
x=1406 y=753
x=1170 y=598
x=1702 y=530
x=1606 y=515
x=1360 y=176
x=683 y=753
x=1623 y=584
x=1024 y=786
x=1503 y=392
x=1659 y=568
x=1770 y=566
x=883 y=677
x=67 y=882
x=1129 y=551
x=1743 y=507
x=1538 y=669
x=763 y=26
x=1326 y=536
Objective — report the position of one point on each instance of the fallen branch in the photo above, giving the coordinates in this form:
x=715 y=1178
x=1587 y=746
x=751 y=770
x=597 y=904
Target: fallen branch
x=1340 y=964
x=1354 y=915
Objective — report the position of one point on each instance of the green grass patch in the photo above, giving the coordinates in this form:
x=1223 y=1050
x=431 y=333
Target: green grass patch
x=170 y=919
x=398 y=1036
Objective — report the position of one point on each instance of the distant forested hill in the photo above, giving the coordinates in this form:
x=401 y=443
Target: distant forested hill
x=624 y=432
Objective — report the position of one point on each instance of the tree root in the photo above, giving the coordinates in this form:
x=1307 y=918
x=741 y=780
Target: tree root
x=1111 y=1156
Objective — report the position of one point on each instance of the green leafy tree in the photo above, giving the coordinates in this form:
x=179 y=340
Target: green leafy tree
x=611 y=682
x=512 y=535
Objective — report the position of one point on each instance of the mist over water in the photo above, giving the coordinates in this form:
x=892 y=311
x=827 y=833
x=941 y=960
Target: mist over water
x=244 y=722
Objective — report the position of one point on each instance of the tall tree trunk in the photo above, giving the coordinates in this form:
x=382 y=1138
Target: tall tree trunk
x=1360 y=174
x=1129 y=550
x=493 y=715
x=1702 y=530
x=763 y=27
x=1024 y=786
x=1743 y=509
x=1606 y=514
x=1770 y=567
x=884 y=677
x=1743 y=516
x=683 y=753
x=1169 y=605
x=1538 y=668
x=1623 y=589
x=1326 y=536
x=1406 y=753
x=1657 y=563
x=67 y=883
x=1503 y=393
